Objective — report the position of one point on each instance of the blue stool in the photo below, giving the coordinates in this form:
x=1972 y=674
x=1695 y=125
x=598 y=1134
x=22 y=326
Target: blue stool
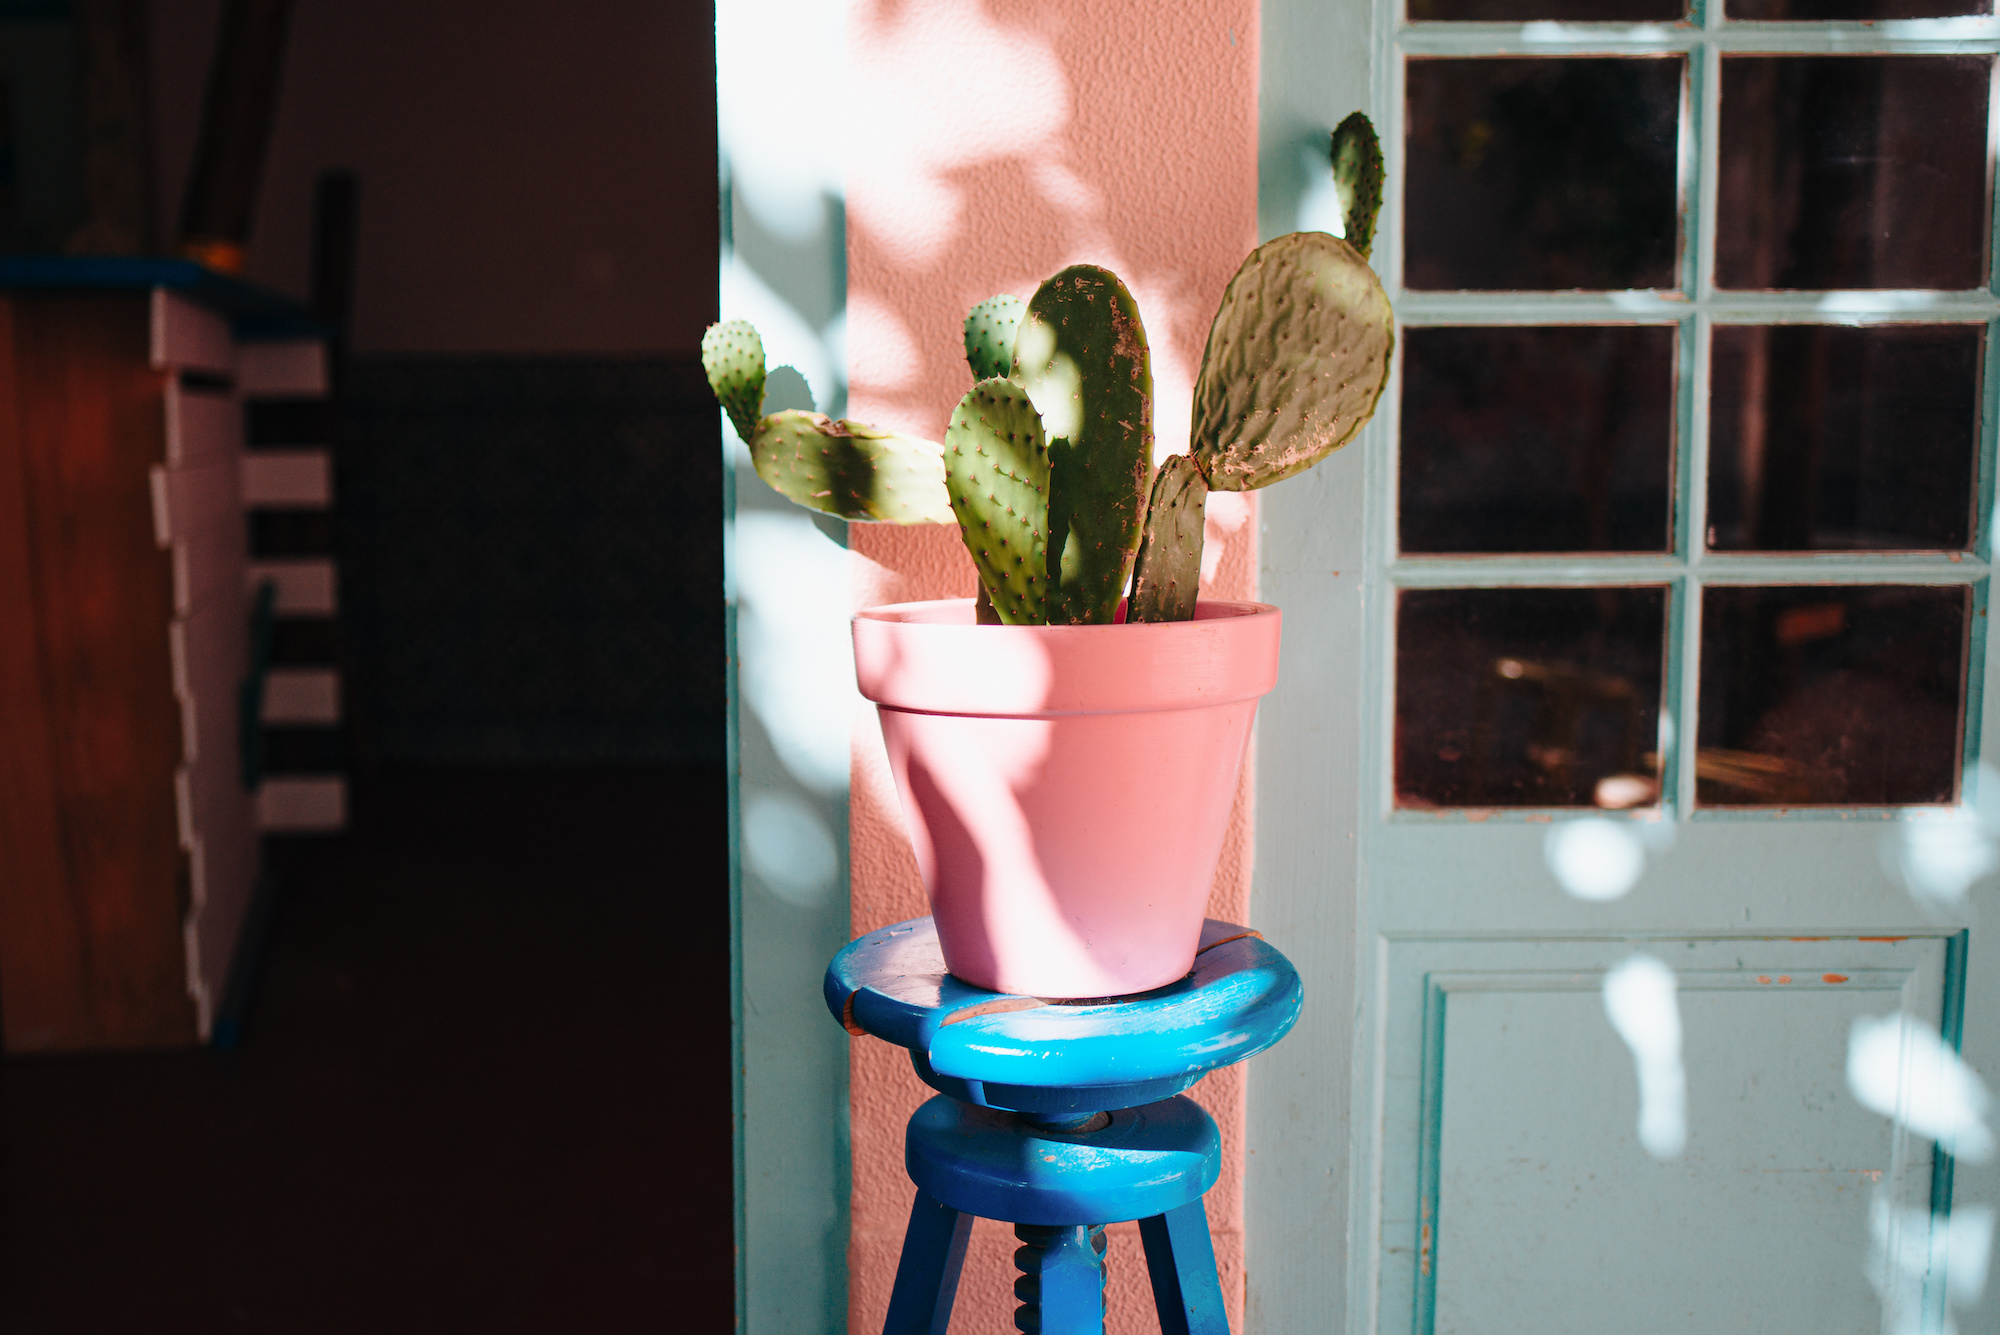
x=1061 y=1117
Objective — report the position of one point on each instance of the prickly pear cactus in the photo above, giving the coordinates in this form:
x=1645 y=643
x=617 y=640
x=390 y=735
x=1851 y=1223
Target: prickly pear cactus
x=1296 y=360
x=733 y=356
x=997 y=470
x=851 y=469
x=1081 y=354
x=989 y=336
x=1167 y=576
x=1357 y=179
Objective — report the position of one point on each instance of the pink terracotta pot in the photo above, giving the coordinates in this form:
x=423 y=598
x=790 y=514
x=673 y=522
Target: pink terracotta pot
x=1068 y=788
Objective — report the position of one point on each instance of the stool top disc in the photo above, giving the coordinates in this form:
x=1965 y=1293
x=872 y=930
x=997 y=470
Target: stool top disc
x=1000 y=1050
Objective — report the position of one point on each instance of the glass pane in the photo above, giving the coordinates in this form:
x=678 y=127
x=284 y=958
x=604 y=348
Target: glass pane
x=1564 y=11
x=1528 y=697
x=1852 y=172
x=1855 y=9
x=1831 y=438
x=1537 y=439
x=1831 y=694
x=1542 y=174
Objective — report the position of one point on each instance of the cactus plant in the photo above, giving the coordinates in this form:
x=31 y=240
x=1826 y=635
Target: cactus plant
x=1357 y=180
x=989 y=335
x=997 y=471
x=1081 y=354
x=843 y=468
x=1168 y=574
x=1296 y=359
x=1047 y=464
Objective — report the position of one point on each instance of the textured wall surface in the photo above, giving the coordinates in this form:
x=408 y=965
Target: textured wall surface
x=993 y=144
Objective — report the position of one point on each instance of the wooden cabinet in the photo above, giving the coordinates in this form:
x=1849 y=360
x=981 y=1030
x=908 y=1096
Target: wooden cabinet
x=128 y=838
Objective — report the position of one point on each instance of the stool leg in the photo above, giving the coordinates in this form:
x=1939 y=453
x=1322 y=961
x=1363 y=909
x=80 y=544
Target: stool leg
x=927 y=1276
x=1181 y=1261
x=1061 y=1287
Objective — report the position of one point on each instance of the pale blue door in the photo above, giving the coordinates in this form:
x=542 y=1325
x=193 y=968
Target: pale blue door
x=1622 y=799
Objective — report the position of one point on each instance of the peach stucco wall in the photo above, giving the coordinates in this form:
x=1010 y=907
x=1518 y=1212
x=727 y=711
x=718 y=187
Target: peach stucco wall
x=990 y=145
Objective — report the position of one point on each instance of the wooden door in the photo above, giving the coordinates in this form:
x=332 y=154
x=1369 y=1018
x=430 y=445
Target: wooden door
x=1640 y=894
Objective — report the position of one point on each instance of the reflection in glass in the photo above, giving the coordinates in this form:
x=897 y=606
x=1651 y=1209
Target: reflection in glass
x=1545 y=173
x=1827 y=437
x=1537 y=439
x=1562 y=11
x=1528 y=697
x=1798 y=10
x=1852 y=172
x=1831 y=694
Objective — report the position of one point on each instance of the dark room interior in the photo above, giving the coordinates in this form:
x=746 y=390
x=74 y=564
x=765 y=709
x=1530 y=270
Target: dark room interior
x=470 y=1069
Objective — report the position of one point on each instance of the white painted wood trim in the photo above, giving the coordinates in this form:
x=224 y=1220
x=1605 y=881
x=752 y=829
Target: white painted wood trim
x=288 y=479
x=201 y=425
x=188 y=337
x=302 y=696
x=302 y=804
x=307 y=586
x=1303 y=1131
x=290 y=368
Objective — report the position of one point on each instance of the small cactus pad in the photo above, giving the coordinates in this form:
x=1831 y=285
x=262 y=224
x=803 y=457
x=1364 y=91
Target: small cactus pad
x=1296 y=360
x=733 y=356
x=1081 y=354
x=851 y=469
x=997 y=469
x=1357 y=180
x=1167 y=577
x=989 y=335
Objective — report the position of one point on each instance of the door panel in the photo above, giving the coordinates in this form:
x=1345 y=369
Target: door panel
x=1531 y=1200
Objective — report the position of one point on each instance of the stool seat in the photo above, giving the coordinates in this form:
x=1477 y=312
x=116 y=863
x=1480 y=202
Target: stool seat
x=1050 y=1058
x=1060 y=1117
x=1146 y=1162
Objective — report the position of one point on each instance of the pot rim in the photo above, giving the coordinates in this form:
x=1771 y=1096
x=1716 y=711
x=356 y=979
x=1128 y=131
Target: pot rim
x=917 y=614
x=930 y=657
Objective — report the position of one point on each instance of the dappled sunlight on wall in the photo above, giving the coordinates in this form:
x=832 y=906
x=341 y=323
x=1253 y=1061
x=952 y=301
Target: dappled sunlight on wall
x=994 y=145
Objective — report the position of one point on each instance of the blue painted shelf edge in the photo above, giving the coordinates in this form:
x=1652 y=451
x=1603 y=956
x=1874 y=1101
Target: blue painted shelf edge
x=254 y=312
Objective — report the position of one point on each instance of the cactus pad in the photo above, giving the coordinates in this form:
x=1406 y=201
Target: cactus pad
x=851 y=469
x=733 y=356
x=997 y=469
x=1357 y=179
x=1081 y=354
x=1167 y=577
x=989 y=335
x=1296 y=360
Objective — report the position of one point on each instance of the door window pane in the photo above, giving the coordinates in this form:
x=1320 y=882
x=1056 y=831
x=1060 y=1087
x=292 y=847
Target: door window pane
x=1852 y=172
x=1831 y=695
x=1537 y=439
x=1528 y=697
x=1854 y=10
x=1543 y=173
x=1562 y=11
x=1828 y=438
